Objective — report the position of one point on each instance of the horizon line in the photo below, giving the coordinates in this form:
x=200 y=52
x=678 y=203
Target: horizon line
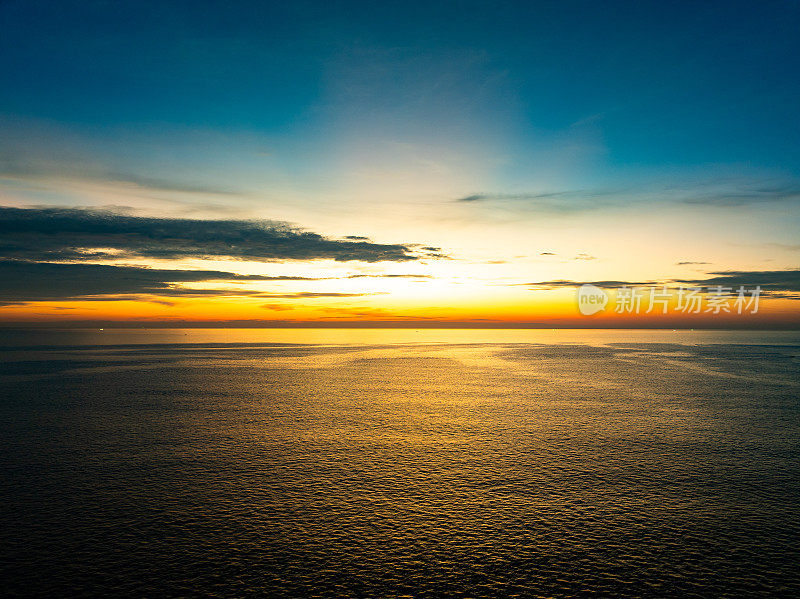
x=104 y=324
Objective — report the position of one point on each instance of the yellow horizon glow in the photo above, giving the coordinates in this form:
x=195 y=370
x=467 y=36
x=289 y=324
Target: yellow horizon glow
x=556 y=307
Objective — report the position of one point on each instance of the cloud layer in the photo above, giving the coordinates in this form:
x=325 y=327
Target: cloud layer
x=774 y=283
x=724 y=193
x=40 y=281
x=53 y=234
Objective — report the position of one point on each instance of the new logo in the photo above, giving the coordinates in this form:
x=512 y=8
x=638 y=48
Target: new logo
x=591 y=299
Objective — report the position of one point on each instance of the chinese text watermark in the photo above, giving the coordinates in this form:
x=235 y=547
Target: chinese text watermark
x=715 y=299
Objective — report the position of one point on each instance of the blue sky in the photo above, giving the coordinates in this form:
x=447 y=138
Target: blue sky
x=662 y=84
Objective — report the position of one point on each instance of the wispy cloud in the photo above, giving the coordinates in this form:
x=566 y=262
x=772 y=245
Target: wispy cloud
x=719 y=192
x=122 y=180
x=745 y=195
x=42 y=154
x=555 y=201
x=313 y=295
x=564 y=283
x=391 y=276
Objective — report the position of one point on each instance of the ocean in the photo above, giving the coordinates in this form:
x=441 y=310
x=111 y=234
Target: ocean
x=400 y=463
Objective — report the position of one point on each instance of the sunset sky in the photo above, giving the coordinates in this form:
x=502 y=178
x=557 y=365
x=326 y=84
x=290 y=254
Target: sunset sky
x=395 y=163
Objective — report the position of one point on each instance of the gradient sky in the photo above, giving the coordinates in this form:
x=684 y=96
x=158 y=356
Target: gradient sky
x=394 y=162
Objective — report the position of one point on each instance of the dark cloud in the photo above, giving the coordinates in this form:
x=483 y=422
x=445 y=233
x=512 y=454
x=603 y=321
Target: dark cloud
x=231 y=292
x=687 y=263
x=391 y=276
x=40 y=281
x=547 y=254
x=773 y=283
x=781 y=294
x=22 y=282
x=436 y=256
x=52 y=234
x=292 y=278
x=314 y=295
x=429 y=251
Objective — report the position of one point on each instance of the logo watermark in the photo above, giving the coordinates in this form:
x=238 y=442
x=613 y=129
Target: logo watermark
x=591 y=299
x=662 y=300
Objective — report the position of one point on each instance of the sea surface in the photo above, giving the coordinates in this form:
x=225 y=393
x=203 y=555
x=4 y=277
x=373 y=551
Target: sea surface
x=399 y=463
